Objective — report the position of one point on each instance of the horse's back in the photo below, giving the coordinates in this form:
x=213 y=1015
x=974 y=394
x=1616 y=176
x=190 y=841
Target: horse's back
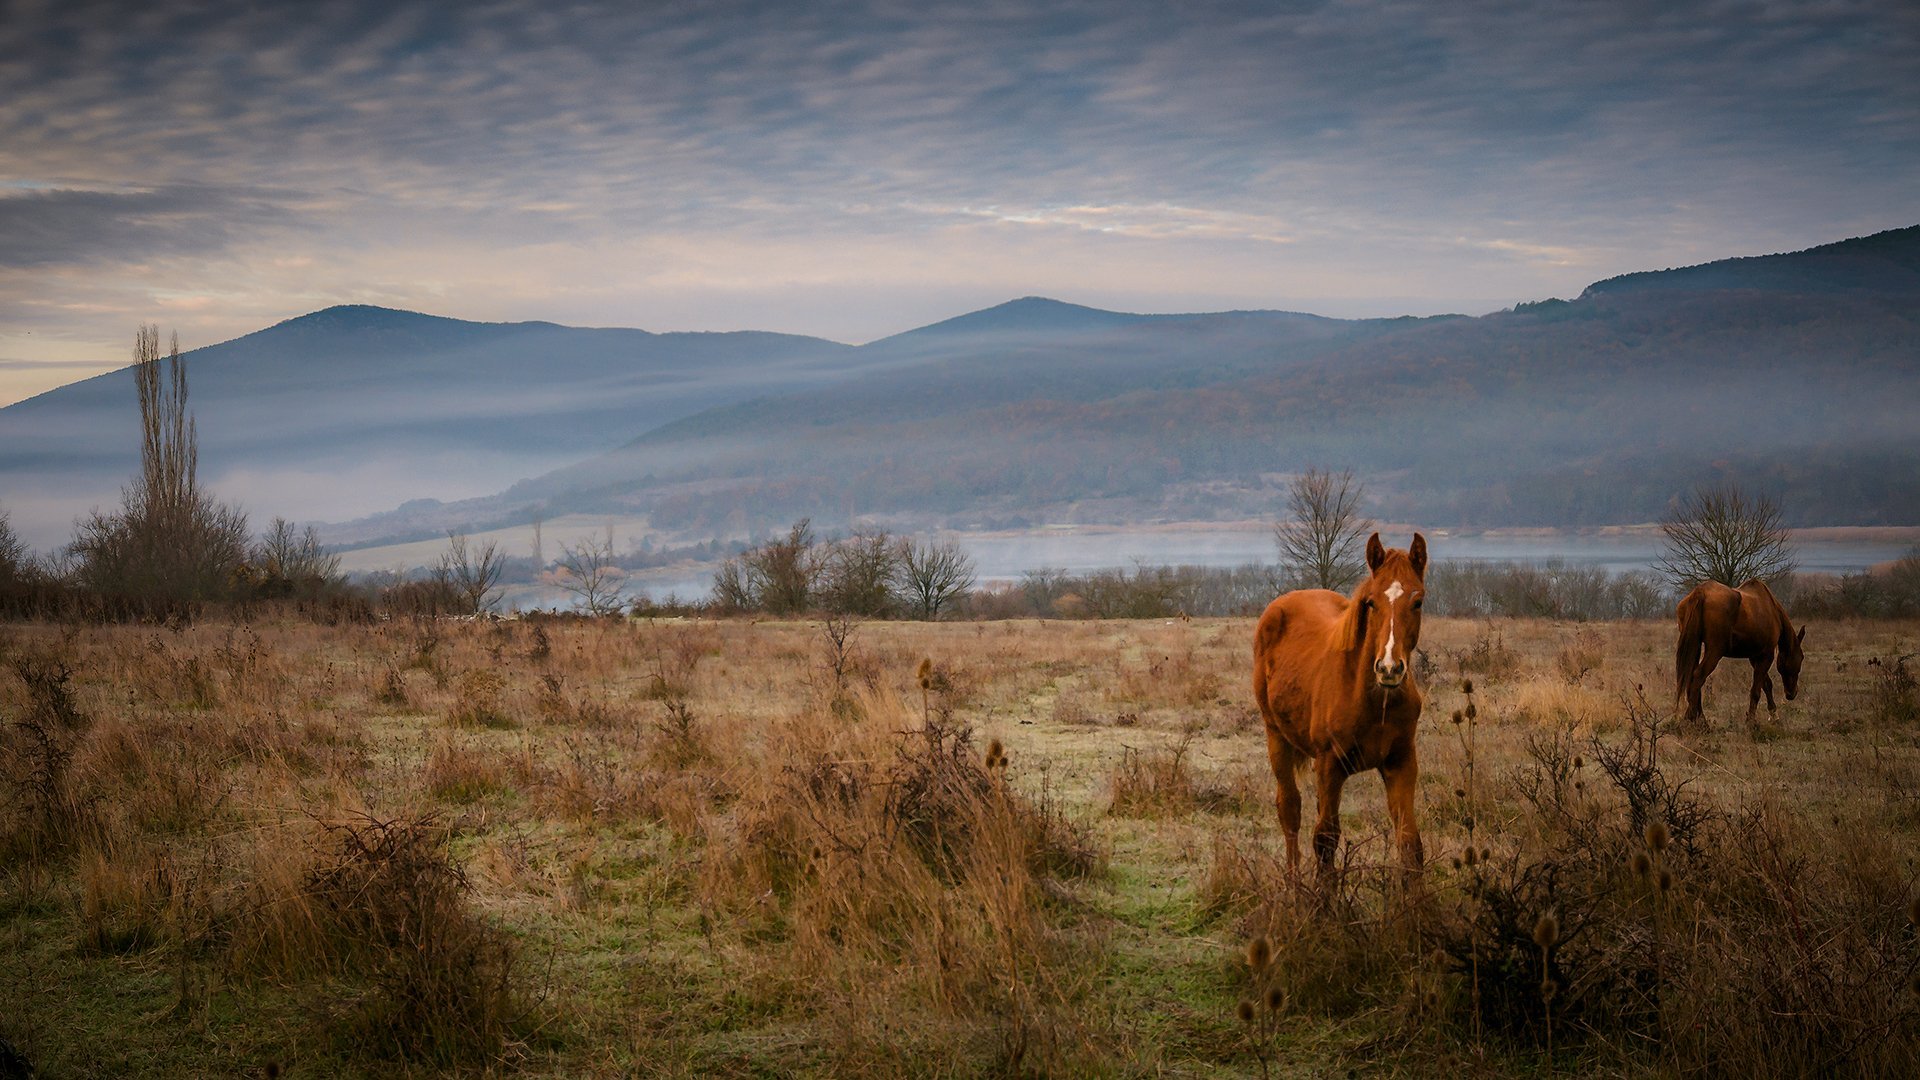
x=1716 y=606
x=1296 y=618
x=1290 y=643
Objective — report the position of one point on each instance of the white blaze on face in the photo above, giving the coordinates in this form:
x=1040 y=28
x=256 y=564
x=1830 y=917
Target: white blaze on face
x=1394 y=592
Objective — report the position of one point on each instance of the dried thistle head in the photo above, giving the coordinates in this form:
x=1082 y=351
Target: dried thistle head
x=1276 y=999
x=1641 y=864
x=1466 y=686
x=1472 y=711
x=1259 y=953
x=1458 y=716
x=1578 y=761
x=1246 y=1010
x=1459 y=793
x=1546 y=931
x=1548 y=989
x=1665 y=880
x=996 y=755
x=925 y=671
x=1486 y=854
x=1472 y=857
x=1657 y=836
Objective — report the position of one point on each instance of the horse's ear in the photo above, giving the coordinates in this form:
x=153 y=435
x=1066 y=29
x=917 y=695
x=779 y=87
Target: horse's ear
x=1376 y=553
x=1417 y=554
x=1801 y=637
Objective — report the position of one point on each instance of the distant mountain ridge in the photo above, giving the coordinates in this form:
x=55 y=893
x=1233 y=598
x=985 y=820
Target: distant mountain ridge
x=1593 y=411
x=1886 y=262
x=342 y=411
x=1797 y=372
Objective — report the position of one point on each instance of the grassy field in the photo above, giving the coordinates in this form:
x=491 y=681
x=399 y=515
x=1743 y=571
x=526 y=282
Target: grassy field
x=743 y=848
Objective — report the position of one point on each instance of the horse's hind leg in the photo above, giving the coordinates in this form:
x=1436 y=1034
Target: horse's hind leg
x=1709 y=660
x=1286 y=799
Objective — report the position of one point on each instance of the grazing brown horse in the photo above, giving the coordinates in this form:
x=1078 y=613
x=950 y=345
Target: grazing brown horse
x=1330 y=673
x=1740 y=624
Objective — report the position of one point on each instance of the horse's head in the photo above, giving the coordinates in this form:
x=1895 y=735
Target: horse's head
x=1789 y=660
x=1384 y=618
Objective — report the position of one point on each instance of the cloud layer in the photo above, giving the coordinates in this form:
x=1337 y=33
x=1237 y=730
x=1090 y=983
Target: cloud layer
x=852 y=169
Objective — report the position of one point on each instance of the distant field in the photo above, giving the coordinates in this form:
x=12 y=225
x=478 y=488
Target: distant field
x=731 y=848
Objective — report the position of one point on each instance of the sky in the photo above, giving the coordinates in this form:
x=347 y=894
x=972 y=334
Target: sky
x=855 y=169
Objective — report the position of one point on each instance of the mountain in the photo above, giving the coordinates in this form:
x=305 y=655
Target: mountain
x=1886 y=263
x=352 y=409
x=1798 y=374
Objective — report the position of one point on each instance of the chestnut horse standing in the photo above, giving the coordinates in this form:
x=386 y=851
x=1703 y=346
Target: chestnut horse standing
x=1740 y=624
x=1330 y=673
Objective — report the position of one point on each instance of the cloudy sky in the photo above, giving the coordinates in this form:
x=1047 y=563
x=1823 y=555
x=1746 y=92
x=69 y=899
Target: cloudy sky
x=855 y=169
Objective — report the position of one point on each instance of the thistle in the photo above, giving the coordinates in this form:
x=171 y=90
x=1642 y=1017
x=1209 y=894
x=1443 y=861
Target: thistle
x=1259 y=955
x=1546 y=933
x=1657 y=836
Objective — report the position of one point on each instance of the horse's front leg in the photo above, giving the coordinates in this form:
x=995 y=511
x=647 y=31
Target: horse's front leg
x=1282 y=757
x=1329 y=775
x=1762 y=683
x=1401 y=777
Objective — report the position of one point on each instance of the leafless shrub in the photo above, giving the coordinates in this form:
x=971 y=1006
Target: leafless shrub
x=1157 y=783
x=394 y=911
x=47 y=808
x=1896 y=690
x=478 y=701
x=588 y=571
x=291 y=563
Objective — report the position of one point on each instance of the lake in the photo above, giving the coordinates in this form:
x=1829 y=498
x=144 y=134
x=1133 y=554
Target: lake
x=1002 y=557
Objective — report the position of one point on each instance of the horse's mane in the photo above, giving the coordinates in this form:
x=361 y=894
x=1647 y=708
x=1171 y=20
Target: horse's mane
x=1353 y=623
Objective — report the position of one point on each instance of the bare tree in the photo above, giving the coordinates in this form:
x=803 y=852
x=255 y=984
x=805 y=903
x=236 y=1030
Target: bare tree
x=14 y=557
x=933 y=576
x=473 y=571
x=587 y=571
x=292 y=561
x=730 y=589
x=1721 y=533
x=1320 y=542
x=780 y=573
x=171 y=542
x=856 y=574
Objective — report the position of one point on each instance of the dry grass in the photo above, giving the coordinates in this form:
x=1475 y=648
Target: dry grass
x=602 y=847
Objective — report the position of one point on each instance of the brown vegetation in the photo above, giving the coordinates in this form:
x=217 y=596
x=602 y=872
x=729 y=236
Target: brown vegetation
x=594 y=847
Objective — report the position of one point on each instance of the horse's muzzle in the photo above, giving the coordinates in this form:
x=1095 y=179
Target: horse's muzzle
x=1390 y=675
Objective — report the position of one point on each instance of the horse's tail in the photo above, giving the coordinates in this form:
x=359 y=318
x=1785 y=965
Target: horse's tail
x=1693 y=634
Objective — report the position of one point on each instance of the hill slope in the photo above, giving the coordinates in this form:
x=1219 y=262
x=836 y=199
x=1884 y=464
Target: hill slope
x=1798 y=373
x=352 y=409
